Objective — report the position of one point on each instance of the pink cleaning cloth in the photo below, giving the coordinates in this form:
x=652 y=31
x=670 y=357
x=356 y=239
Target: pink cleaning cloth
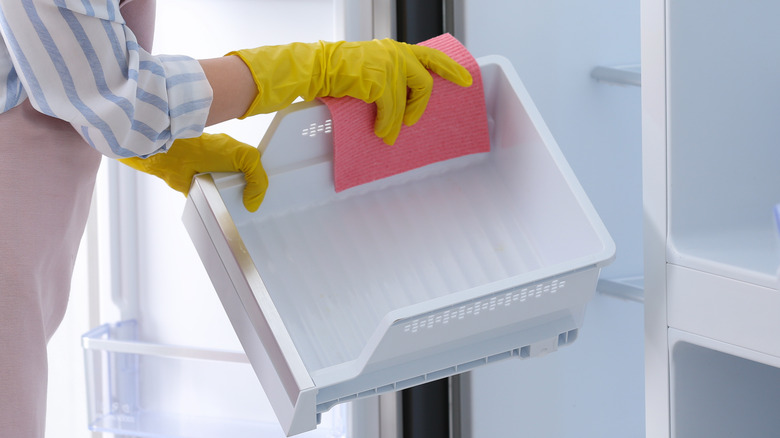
x=454 y=124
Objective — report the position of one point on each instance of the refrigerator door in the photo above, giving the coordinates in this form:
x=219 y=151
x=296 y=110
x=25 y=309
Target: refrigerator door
x=423 y=275
x=170 y=378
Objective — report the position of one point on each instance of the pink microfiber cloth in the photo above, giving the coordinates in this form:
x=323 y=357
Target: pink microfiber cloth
x=454 y=124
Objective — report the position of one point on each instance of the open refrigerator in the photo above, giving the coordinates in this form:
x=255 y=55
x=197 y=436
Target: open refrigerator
x=678 y=160
x=167 y=344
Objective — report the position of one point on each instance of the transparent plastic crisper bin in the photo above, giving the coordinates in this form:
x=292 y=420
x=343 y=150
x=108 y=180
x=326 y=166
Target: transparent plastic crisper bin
x=140 y=389
x=404 y=280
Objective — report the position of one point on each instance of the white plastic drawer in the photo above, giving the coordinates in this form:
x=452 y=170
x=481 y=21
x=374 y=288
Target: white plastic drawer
x=412 y=278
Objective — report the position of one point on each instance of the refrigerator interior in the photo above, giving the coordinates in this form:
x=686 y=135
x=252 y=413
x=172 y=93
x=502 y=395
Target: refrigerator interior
x=595 y=387
x=596 y=123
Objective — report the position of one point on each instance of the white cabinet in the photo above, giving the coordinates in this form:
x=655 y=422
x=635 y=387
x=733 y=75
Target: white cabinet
x=710 y=119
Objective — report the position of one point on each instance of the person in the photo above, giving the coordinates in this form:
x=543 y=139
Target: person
x=77 y=80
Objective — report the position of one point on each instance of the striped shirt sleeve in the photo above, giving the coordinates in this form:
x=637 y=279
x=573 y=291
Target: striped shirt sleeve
x=76 y=60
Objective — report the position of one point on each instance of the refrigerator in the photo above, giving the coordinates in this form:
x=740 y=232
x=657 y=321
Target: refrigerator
x=162 y=357
x=666 y=309
x=710 y=208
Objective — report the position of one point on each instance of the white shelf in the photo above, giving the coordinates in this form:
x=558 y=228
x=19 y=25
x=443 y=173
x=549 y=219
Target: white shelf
x=627 y=288
x=618 y=75
x=748 y=254
x=723 y=285
x=724 y=309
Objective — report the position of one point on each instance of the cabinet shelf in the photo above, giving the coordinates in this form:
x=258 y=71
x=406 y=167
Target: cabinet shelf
x=626 y=288
x=748 y=254
x=618 y=75
x=724 y=309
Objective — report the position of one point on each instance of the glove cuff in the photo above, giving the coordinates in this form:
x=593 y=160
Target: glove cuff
x=284 y=73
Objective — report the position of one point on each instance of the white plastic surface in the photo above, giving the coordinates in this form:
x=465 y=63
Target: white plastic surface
x=721 y=308
x=723 y=186
x=723 y=133
x=619 y=75
x=407 y=279
x=710 y=118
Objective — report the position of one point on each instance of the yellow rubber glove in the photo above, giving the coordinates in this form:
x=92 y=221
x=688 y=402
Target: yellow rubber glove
x=207 y=153
x=389 y=73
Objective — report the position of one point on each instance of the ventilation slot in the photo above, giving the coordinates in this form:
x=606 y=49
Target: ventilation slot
x=314 y=129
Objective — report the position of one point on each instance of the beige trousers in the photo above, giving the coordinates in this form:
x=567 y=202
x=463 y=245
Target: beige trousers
x=47 y=173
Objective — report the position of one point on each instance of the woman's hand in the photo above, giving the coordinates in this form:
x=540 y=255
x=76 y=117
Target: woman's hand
x=391 y=74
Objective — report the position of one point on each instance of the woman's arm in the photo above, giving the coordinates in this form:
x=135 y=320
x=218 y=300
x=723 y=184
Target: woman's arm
x=233 y=85
x=78 y=61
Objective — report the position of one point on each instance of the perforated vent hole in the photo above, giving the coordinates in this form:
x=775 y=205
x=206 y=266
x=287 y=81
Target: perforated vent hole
x=485 y=306
x=315 y=128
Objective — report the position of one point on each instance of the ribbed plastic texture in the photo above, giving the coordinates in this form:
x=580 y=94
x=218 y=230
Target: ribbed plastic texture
x=348 y=264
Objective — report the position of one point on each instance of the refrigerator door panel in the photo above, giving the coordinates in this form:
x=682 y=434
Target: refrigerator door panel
x=137 y=388
x=158 y=281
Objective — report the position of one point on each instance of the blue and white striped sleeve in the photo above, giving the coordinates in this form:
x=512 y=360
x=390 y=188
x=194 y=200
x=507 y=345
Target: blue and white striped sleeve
x=79 y=62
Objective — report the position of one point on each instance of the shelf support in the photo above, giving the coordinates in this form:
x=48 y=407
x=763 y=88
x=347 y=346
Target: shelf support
x=618 y=75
